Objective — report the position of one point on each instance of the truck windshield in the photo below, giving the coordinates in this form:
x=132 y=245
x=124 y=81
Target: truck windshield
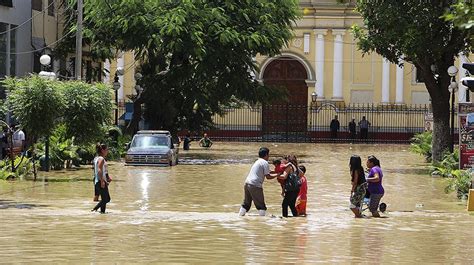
x=150 y=141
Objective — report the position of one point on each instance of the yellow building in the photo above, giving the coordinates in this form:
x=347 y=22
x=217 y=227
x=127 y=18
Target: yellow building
x=325 y=49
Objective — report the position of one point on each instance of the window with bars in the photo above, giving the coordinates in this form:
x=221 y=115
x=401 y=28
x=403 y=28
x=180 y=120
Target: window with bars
x=8 y=3
x=37 y=5
x=7 y=50
x=51 y=8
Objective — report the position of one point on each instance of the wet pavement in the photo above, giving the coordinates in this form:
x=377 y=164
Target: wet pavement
x=188 y=213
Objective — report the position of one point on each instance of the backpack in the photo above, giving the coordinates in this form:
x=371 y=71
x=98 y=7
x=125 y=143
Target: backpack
x=293 y=182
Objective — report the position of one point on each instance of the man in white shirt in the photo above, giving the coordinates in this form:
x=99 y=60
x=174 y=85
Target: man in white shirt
x=18 y=139
x=253 y=189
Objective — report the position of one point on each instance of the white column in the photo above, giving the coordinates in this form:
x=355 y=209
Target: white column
x=319 y=58
x=306 y=43
x=461 y=74
x=399 y=77
x=385 y=81
x=107 y=71
x=338 y=64
x=121 y=64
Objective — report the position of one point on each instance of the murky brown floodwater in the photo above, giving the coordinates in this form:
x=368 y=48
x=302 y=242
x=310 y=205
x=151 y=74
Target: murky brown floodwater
x=188 y=213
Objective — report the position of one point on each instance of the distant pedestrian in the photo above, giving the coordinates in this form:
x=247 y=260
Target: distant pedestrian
x=364 y=128
x=253 y=189
x=334 y=127
x=187 y=142
x=18 y=139
x=101 y=177
x=352 y=129
x=205 y=141
x=4 y=142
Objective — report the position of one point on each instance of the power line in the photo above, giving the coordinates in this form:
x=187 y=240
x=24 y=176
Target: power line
x=31 y=18
x=47 y=46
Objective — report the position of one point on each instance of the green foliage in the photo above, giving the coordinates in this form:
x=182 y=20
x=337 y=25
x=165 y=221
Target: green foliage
x=24 y=168
x=421 y=144
x=462 y=15
x=447 y=165
x=88 y=108
x=192 y=53
x=62 y=151
x=72 y=113
x=117 y=147
x=460 y=182
x=36 y=103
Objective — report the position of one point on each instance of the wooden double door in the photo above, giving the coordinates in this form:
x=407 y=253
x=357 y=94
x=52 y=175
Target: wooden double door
x=286 y=116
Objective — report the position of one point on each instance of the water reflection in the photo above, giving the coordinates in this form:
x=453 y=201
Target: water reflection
x=188 y=213
x=144 y=185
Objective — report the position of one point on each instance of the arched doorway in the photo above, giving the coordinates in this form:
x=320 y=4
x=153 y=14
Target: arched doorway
x=286 y=119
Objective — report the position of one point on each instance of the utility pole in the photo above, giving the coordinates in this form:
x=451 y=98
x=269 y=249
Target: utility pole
x=78 y=63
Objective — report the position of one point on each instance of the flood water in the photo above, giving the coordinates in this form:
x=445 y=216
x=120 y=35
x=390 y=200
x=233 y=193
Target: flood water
x=188 y=213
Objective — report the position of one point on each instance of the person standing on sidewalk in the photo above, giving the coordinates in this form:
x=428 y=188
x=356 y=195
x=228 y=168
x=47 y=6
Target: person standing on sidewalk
x=334 y=127
x=253 y=190
x=364 y=128
x=352 y=129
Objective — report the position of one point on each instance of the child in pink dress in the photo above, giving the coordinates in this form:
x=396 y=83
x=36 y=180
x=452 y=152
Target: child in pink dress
x=301 y=199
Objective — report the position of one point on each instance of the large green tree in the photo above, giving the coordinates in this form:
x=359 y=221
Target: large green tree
x=417 y=32
x=195 y=55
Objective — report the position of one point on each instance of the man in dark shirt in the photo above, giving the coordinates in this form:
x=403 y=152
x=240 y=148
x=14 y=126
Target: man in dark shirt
x=187 y=142
x=352 y=129
x=334 y=126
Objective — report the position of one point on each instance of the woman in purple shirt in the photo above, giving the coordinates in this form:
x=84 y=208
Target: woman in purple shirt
x=375 y=187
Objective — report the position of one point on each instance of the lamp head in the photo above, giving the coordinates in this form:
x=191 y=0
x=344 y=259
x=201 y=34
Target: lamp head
x=452 y=70
x=138 y=76
x=45 y=60
x=314 y=97
x=119 y=71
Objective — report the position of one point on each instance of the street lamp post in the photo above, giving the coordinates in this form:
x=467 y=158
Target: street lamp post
x=453 y=87
x=116 y=87
x=314 y=97
x=45 y=61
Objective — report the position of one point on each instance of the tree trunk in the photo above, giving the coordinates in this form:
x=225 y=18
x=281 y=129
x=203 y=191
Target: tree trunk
x=441 y=130
x=440 y=101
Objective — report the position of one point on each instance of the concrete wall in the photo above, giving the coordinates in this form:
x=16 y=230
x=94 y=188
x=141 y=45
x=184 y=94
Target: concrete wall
x=16 y=15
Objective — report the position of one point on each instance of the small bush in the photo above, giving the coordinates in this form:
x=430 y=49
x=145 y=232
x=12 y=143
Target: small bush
x=446 y=166
x=421 y=144
x=460 y=182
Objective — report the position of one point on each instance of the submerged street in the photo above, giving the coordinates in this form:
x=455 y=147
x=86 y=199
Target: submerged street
x=188 y=213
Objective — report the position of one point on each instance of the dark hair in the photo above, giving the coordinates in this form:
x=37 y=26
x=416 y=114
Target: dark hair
x=374 y=160
x=302 y=168
x=99 y=147
x=263 y=152
x=355 y=164
x=292 y=159
x=276 y=162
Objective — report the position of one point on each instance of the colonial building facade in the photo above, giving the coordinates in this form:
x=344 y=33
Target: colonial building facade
x=325 y=55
